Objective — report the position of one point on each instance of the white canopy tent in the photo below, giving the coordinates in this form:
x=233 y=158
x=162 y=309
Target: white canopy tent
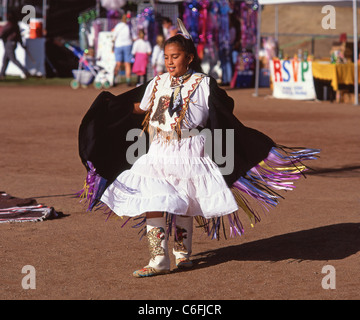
x=352 y=3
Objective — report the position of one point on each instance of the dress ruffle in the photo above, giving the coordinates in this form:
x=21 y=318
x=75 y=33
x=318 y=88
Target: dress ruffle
x=176 y=177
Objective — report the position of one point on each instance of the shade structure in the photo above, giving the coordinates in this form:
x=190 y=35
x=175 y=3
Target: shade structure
x=353 y=3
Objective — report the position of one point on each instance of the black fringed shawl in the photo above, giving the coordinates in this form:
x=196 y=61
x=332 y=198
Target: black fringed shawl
x=261 y=167
x=104 y=127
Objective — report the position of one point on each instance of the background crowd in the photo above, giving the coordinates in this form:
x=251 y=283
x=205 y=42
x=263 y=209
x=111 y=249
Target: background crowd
x=224 y=33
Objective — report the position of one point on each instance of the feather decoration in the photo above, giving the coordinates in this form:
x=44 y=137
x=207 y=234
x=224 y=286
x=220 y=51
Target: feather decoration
x=183 y=29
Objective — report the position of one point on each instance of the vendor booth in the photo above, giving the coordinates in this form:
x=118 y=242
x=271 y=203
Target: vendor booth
x=294 y=78
x=224 y=33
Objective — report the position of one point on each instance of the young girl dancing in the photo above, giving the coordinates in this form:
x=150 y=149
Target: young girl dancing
x=182 y=176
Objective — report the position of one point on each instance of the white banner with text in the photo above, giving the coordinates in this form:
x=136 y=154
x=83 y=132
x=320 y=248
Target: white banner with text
x=292 y=79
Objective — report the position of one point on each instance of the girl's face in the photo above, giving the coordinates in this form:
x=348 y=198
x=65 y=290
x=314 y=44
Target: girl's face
x=176 y=60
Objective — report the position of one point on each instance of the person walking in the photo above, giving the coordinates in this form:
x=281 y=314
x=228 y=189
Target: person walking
x=11 y=36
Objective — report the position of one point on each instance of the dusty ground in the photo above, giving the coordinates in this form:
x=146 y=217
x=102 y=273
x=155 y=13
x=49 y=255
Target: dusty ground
x=82 y=256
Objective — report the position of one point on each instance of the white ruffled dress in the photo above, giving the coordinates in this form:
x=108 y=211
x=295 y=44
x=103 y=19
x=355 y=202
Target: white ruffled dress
x=175 y=176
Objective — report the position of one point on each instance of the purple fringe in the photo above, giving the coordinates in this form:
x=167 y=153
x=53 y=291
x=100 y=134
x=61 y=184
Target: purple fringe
x=93 y=188
x=261 y=185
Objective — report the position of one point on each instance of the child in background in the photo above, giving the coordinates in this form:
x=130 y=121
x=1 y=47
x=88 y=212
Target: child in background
x=157 y=59
x=141 y=50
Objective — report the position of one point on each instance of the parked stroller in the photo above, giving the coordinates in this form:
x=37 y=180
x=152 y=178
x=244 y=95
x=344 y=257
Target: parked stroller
x=88 y=72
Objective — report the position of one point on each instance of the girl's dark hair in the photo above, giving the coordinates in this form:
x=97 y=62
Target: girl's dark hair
x=188 y=46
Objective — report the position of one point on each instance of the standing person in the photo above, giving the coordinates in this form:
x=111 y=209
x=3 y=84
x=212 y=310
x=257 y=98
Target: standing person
x=122 y=48
x=157 y=58
x=224 y=43
x=178 y=178
x=142 y=51
x=11 y=36
x=169 y=30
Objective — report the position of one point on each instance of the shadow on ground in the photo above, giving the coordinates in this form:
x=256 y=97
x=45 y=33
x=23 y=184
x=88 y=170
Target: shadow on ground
x=346 y=171
x=333 y=242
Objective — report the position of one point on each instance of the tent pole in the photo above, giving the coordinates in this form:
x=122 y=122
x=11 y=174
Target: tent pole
x=44 y=14
x=356 y=74
x=4 y=10
x=276 y=23
x=257 y=68
x=98 y=8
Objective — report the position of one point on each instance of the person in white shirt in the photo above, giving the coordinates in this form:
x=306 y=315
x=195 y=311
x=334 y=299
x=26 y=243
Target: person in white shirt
x=169 y=30
x=142 y=51
x=122 y=48
x=157 y=58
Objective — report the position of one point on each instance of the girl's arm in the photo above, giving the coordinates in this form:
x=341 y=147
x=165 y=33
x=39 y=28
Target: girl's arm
x=137 y=109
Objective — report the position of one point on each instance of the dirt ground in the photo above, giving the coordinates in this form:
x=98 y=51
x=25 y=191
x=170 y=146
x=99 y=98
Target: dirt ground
x=83 y=256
